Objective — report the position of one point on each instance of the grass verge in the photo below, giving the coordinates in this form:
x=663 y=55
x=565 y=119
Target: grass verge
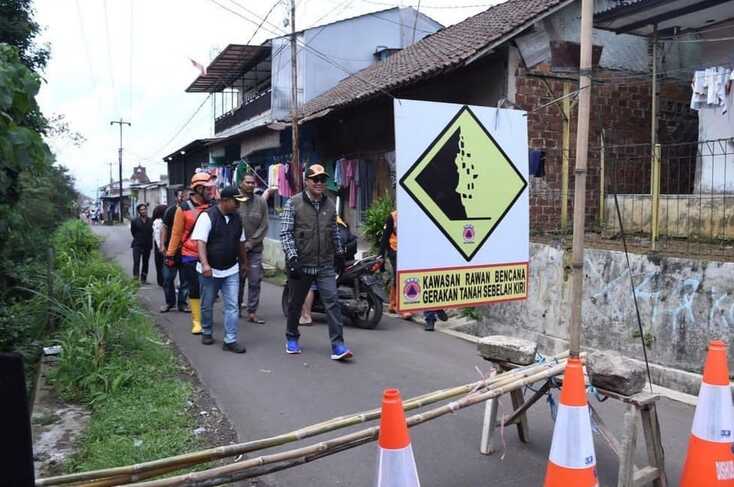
x=115 y=361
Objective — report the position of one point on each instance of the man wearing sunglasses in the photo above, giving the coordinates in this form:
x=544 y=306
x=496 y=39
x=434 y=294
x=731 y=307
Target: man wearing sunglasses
x=313 y=251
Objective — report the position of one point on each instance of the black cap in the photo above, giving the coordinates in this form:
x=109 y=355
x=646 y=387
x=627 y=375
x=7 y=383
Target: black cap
x=230 y=192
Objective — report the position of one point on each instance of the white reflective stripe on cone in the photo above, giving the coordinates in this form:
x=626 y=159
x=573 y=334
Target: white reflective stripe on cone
x=396 y=468
x=572 y=445
x=714 y=418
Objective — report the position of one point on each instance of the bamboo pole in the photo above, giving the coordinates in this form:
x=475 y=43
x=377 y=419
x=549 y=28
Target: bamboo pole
x=154 y=468
x=655 y=200
x=579 y=201
x=565 y=154
x=227 y=473
x=602 y=187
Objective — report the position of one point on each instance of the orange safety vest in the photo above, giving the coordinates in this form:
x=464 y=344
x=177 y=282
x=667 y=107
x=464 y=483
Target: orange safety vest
x=189 y=247
x=394 y=235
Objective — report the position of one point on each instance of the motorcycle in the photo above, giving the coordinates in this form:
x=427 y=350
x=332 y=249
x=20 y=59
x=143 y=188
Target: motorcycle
x=360 y=293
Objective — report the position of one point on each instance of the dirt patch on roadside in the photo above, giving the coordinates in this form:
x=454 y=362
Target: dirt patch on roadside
x=56 y=426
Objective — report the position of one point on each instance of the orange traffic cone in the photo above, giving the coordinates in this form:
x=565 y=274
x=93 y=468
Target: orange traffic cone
x=572 y=461
x=710 y=460
x=396 y=465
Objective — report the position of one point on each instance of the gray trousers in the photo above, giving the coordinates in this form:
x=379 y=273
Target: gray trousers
x=326 y=282
x=254 y=279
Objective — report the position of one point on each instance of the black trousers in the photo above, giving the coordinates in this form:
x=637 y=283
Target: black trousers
x=140 y=253
x=189 y=276
x=159 y=275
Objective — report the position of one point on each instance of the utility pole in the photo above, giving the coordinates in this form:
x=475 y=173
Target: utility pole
x=296 y=159
x=579 y=200
x=120 y=122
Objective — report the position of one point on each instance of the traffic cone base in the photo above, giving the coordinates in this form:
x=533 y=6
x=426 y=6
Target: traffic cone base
x=569 y=477
x=708 y=463
x=397 y=468
x=710 y=459
x=572 y=460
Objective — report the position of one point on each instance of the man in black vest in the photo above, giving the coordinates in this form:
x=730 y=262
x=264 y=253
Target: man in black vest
x=313 y=249
x=220 y=240
x=141 y=229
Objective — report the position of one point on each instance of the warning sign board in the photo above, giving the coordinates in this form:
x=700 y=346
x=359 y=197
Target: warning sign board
x=487 y=183
x=462 y=205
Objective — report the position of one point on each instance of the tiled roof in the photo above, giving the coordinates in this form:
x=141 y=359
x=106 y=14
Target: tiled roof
x=439 y=52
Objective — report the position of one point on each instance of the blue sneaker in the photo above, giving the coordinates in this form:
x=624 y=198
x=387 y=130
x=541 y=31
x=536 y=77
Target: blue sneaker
x=339 y=351
x=291 y=346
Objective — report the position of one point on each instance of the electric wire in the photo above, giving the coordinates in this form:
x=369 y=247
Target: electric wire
x=198 y=109
x=314 y=51
x=415 y=20
x=85 y=44
x=110 y=62
x=130 y=61
x=446 y=7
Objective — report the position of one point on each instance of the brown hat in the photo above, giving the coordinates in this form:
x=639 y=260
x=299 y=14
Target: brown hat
x=315 y=170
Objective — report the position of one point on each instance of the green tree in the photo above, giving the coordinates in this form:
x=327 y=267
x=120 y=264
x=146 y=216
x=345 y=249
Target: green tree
x=35 y=196
x=19 y=29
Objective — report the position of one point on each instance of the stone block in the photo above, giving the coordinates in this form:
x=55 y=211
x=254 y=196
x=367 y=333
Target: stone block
x=508 y=349
x=613 y=371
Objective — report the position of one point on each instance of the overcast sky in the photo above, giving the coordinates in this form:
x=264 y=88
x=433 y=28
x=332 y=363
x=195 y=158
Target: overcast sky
x=130 y=59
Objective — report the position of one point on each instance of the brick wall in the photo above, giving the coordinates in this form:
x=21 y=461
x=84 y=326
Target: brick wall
x=621 y=106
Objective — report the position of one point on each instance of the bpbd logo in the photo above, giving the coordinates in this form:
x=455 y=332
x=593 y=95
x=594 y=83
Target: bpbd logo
x=469 y=233
x=412 y=290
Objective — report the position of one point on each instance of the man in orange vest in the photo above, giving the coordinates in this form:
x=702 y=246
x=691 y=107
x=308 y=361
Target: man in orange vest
x=183 y=226
x=389 y=247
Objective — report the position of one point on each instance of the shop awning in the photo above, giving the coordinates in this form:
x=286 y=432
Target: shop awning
x=230 y=65
x=670 y=16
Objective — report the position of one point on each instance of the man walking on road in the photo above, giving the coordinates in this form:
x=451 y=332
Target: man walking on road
x=313 y=249
x=220 y=239
x=169 y=273
x=183 y=225
x=141 y=229
x=254 y=214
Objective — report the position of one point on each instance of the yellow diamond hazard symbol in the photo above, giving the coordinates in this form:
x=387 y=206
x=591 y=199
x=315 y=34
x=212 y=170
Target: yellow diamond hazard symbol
x=465 y=183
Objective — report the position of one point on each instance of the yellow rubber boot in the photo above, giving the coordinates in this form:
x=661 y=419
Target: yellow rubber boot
x=195 y=305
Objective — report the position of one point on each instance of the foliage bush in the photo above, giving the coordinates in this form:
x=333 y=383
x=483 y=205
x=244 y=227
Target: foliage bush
x=374 y=221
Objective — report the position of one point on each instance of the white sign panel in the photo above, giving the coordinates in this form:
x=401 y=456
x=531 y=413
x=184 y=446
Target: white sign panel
x=462 y=201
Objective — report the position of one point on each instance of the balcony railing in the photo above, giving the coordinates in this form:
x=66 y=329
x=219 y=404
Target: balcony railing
x=246 y=111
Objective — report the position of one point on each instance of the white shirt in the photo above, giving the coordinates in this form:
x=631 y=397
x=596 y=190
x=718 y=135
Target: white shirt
x=201 y=232
x=157 y=224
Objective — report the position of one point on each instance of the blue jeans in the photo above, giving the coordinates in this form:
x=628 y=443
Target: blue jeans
x=229 y=286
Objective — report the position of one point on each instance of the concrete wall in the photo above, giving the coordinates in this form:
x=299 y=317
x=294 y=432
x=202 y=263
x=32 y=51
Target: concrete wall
x=708 y=216
x=683 y=303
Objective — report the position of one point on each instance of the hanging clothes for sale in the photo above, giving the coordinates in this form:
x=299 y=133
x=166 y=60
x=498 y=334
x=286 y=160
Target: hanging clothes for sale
x=383 y=183
x=284 y=187
x=711 y=88
x=331 y=184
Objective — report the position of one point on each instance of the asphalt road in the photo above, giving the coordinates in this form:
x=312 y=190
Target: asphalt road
x=266 y=392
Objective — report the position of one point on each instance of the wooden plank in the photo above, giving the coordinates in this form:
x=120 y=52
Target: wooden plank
x=640 y=399
x=645 y=476
x=527 y=404
x=655 y=453
x=518 y=400
x=486 y=444
x=629 y=445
